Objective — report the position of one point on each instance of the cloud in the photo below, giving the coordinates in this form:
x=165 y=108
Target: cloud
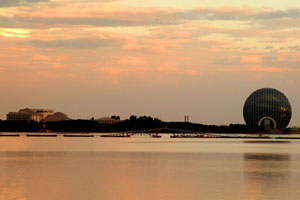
x=271 y=62
x=130 y=17
x=74 y=43
x=41 y=58
x=19 y=33
x=268 y=47
x=251 y=59
x=167 y=67
x=15 y=3
x=87 y=15
x=166 y=74
x=176 y=70
x=289 y=13
x=58 y=66
x=291 y=48
x=171 y=67
x=98 y=21
x=269 y=69
x=131 y=60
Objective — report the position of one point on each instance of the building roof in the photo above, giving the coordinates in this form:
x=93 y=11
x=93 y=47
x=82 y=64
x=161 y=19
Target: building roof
x=26 y=111
x=58 y=116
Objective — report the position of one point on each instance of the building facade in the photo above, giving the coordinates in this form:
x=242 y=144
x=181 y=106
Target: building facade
x=28 y=114
x=267 y=107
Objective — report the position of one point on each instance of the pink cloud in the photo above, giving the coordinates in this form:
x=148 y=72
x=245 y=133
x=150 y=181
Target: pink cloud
x=118 y=71
x=269 y=69
x=41 y=58
x=183 y=34
x=268 y=8
x=145 y=47
x=159 y=42
x=164 y=75
x=289 y=57
x=251 y=59
x=169 y=67
x=131 y=61
x=58 y=66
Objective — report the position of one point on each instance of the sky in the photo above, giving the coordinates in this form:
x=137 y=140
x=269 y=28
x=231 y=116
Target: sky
x=166 y=59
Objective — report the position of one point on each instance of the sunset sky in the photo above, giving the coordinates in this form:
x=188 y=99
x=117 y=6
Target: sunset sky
x=164 y=58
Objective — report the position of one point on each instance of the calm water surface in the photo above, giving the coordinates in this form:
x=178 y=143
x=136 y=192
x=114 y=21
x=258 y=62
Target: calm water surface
x=144 y=168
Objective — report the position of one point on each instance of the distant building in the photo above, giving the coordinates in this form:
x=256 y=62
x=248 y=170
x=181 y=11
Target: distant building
x=108 y=120
x=58 y=116
x=43 y=112
x=38 y=115
x=268 y=108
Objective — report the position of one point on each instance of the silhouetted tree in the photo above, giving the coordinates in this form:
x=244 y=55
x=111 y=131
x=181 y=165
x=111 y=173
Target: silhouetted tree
x=115 y=117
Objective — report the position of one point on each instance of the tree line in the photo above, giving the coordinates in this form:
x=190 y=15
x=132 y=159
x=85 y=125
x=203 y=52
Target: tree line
x=134 y=123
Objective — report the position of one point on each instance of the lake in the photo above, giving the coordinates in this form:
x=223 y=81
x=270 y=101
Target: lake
x=143 y=168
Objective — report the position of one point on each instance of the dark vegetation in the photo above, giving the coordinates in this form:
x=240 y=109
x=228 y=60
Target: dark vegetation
x=132 y=124
x=19 y=126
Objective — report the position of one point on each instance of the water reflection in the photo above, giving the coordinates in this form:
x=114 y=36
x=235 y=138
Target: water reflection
x=266 y=175
x=118 y=175
x=267 y=141
x=129 y=170
x=266 y=157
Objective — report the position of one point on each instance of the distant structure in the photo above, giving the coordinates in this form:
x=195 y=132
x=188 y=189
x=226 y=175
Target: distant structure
x=38 y=115
x=28 y=114
x=186 y=118
x=268 y=108
x=108 y=120
x=58 y=116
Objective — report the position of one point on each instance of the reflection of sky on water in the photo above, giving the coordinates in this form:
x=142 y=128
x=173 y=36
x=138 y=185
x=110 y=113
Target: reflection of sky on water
x=267 y=141
x=266 y=175
x=118 y=175
x=137 y=169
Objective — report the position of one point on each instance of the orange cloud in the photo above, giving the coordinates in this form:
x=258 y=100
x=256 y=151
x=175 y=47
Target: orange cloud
x=251 y=59
x=131 y=61
x=289 y=57
x=164 y=75
x=269 y=69
x=167 y=67
x=117 y=71
x=146 y=47
x=58 y=66
x=41 y=58
x=171 y=67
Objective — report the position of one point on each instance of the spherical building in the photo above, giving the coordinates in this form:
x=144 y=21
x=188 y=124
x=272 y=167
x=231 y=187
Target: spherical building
x=267 y=107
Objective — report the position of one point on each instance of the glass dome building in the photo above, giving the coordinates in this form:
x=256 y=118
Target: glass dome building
x=268 y=108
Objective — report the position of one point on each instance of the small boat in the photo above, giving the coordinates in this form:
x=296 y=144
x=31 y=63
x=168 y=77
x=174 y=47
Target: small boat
x=156 y=136
x=116 y=135
x=78 y=135
x=294 y=138
x=40 y=135
x=9 y=135
x=187 y=136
